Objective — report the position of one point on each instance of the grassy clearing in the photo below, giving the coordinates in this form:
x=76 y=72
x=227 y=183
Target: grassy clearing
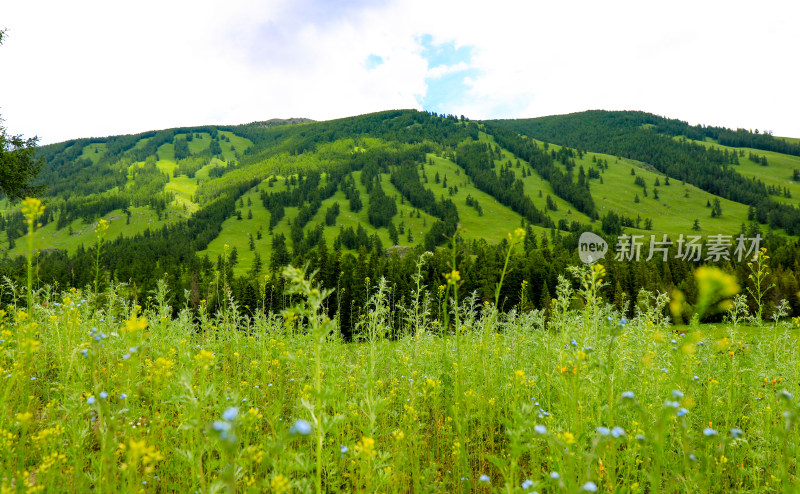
x=80 y=233
x=777 y=173
x=497 y=219
x=99 y=393
x=93 y=152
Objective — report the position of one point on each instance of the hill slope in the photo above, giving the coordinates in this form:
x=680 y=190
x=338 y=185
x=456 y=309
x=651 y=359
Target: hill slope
x=274 y=191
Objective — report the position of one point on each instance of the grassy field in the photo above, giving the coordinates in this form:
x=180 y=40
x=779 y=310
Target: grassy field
x=80 y=233
x=777 y=173
x=676 y=208
x=100 y=394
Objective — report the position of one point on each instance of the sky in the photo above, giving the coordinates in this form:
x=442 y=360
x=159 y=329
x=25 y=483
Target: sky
x=98 y=68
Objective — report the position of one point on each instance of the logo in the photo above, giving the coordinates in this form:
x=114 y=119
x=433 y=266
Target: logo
x=591 y=247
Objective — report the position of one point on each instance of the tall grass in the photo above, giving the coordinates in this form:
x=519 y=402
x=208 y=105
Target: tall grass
x=118 y=397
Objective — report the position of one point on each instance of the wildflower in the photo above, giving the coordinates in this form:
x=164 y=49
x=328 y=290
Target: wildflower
x=221 y=426
x=708 y=432
x=24 y=418
x=230 y=414
x=485 y=478
x=300 y=427
x=126 y=356
x=555 y=475
x=280 y=484
x=628 y=395
x=453 y=277
x=682 y=411
x=540 y=429
x=677 y=394
x=617 y=432
x=343 y=449
x=623 y=321
x=589 y=487
x=135 y=324
x=90 y=400
x=640 y=437
x=736 y=433
x=366 y=447
x=527 y=484
x=603 y=431
x=85 y=352
x=204 y=359
x=103 y=395
x=123 y=396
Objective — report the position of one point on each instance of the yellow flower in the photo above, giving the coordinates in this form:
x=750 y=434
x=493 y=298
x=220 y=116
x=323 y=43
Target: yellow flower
x=567 y=437
x=453 y=277
x=101 y=227
x=280 y=484
x=135 y=323
x=366 y=447
x=24 y=418
x=204 y=359
x=32 y=208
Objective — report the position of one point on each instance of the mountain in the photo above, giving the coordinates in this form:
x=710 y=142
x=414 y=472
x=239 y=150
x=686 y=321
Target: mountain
x=250 y=197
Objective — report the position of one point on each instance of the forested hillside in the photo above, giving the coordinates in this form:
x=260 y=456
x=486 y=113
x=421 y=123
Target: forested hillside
x=361 y=198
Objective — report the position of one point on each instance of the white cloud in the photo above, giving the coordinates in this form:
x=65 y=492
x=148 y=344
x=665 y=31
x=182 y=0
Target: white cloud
x=99 y=68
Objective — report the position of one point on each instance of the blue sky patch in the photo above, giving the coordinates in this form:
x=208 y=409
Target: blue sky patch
x=372 y=61
x=448 y=90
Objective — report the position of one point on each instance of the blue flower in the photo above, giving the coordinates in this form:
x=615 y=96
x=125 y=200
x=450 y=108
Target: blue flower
x=123 y=396
x=555 y=475
x=221 y=426
x=300 y=427
x=90 y=400
x=528 y=483
x=484 y=478
x=126 y=356
x=574 y=343
x=628 y=395
x=677 y=394
x=343 y=449
x=603 y=431
x=33 y=378
x=103 y=395
x=589 y=487
x=230 y=414
x=617 y=432
x=682 y=411
x=623 y=321
x=708 y=432
x=736 y=433
x=640 y=437
x=540 y=429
